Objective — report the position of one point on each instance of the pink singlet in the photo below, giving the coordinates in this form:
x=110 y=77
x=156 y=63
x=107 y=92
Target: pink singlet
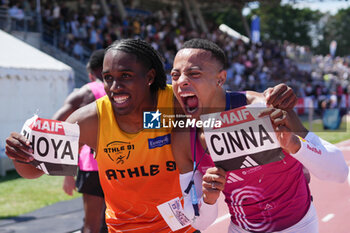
x=265 y=198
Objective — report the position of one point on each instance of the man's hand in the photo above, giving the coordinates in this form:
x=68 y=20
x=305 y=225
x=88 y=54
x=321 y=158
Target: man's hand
x=213 y=183
x=280 y=96
x=287 y=118
x=287 y=139
x=282 y=123
x=278 y=116
x=18 y=148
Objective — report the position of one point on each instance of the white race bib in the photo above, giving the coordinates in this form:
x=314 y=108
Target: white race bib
x=55 y=145
x=173 y=214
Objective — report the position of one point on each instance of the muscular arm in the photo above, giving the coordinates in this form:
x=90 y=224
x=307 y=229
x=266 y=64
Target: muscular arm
x=87 y=119
x=255 y=97
x=322 y=159
x=74 y=101
x=280 y=96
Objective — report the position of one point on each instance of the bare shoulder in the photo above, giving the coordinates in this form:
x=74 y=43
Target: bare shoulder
x=254 y=97
x=81 y=97
x=77 y=99
x=87 y=119
x=181 y=147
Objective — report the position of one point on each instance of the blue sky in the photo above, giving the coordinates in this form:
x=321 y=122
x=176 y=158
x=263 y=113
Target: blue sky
x=331 y=6
x=324 y=6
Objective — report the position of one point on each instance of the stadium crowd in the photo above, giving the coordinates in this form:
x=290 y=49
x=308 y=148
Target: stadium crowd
x=82 y=29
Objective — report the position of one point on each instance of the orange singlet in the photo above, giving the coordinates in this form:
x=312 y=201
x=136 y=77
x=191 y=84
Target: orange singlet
x=137 y=171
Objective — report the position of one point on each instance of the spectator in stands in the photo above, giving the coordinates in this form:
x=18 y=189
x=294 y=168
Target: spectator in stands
x=16 y=12
x=252 y=65
x=4 y=2
x=78 y=50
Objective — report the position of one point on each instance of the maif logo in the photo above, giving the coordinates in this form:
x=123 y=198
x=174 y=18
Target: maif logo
x=151 y=120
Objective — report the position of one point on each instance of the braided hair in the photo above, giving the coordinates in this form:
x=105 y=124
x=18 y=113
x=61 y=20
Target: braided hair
x=145 y=54
x=208 y=45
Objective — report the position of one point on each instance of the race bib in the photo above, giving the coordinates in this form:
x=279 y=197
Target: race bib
x=173 y=214
x=55 y=145
x=243 y=140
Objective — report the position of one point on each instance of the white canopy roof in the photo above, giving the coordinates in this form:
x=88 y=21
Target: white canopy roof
x=20 y=59
x=31 y=82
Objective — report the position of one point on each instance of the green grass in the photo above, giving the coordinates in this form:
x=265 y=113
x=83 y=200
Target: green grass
x=19 y=195
x=332 y=136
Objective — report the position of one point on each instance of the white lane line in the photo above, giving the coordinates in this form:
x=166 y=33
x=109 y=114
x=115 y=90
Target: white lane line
x=328 y=217
x=222 y=218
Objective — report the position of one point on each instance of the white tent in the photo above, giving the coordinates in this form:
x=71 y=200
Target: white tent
x=31 y=82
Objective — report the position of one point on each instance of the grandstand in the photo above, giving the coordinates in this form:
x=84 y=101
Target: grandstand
x=70 y=30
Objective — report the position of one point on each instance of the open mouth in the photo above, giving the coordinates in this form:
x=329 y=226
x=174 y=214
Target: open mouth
x=121 y=99
x=190 y=101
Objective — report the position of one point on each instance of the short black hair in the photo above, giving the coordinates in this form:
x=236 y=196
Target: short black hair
x=96 y=59
x=208 y=45
x=147 y=55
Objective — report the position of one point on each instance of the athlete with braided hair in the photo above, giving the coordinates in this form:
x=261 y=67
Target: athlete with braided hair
x=135 y=177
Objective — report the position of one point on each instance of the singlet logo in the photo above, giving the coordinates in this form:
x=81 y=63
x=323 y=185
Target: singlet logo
x=251 y=170
x=232 y=178
x=119 y=151
x=249 y=162
x=239 y=198
x=314 y=149
x=158 y=141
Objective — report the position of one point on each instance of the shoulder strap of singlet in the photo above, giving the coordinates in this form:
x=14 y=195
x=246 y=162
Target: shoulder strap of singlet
x=235 y=100
x=97 y=89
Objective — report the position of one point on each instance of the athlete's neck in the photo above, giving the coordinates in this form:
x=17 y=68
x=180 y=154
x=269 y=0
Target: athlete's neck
x=219 y=101
x=133 y=122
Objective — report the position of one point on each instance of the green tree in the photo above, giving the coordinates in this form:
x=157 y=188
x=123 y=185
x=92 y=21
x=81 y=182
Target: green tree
x=231 y=13
x=277 y=22
x=229 y=16
x=336 y=27
x=284 y=22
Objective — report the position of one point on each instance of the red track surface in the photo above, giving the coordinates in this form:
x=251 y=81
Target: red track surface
x=332 y=201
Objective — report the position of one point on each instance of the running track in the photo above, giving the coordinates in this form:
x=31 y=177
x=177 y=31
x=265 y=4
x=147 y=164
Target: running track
x=332 y=201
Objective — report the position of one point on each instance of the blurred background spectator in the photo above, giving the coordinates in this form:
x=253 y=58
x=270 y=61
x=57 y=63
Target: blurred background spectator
x=78 y=27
